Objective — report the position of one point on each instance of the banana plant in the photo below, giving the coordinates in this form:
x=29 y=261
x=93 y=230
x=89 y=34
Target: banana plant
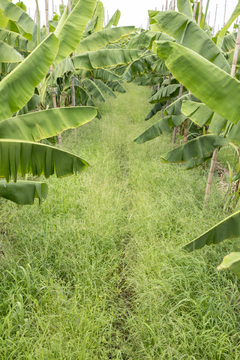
x=19 y=151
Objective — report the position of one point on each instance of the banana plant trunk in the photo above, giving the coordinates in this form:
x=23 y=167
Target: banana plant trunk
x=51 y=69
x=200 y=13
x=214 y=158
x=175 y=129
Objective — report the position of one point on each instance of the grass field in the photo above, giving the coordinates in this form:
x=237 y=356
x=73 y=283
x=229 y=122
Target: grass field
x=97 y=271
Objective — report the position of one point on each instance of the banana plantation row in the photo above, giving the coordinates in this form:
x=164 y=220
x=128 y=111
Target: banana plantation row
x=51 y=76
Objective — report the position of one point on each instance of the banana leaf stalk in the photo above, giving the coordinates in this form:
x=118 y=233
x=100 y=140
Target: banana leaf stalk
x=200 y=13
x=51 y=69
x=195 y=10
x=214 y=158
x=175 y=129
x=72 y=79
x=215 y=20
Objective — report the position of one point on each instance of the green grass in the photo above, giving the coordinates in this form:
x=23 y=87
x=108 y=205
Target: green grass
x=97 y=271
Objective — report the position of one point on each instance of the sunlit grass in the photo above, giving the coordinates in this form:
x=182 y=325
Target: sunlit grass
x=97 y=271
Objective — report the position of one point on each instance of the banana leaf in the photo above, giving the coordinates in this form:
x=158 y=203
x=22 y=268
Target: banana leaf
x=193 y=149
x=33 y=158
x=156 y=108
x=165 y=93
x=104 y=58
x=8 y=54
x=116 y=86
x=192 y=163
x=229 y=42
x=146 y=38
x=201 y=115
x=93 y=89
x=101 y=38
x=70 y=31
x=17 y=88
x=148 y=80
x=104 y=88
x=21 y=18
x=190 y=35
x=63 y=67
x=235 y=14
x=16 y=40
x=83 y=96
x=155 y=130
x=114 y=19
x=24 y=192
x=185 y=7
x=44 y=124
x=227 y=229
x=217 y=89
x=175 y=108
x=30 y=105
x=106 y=75
x=231 y=262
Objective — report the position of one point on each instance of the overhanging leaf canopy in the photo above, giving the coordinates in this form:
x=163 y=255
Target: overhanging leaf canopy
x=44 y=124
x=24 y=192
x=23 y=157
x=214 y=87
x=18 y=87
x=8 y=54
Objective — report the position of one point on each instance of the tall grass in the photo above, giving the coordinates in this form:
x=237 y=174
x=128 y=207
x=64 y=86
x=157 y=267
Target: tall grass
x=97 y=271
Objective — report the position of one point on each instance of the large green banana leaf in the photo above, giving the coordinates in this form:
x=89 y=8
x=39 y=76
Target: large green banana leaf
x=63 y=67
x=93 y=89
x=227 y=229
x=3 y=20
x=235 y=14
x=114 y=19
x=217 y=89
x=16 y=40
x=165 y=93
x=104 y=88
x=28 y=157
x=148 y=80
x=20 y=17
x=185 y=7
x=101 y=38
x=44 y=124
x=156 y=108
x=231 y=262
x=116 y=86
x=24 y=192
x=70 y=31
x=189 y=34
x=160 y=127
x=229 y=42
x=193 y=149
x=104 y=58
x=8 y=54
x=146 y=38
x=105 y=74
x=18 y=87
x=83 y=96
x=175 y=107
x=201 y=115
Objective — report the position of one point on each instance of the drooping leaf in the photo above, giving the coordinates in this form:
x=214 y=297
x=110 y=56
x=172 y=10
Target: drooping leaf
x=218 y=90
x=190 y=35
x=16 y=40
x=148 y=80
x=116 y=86
x=104 y=88
x=44 y=124
x=8 y=54
x=227 y=229
x=24 y=192
x=106 y=75
x=165 y=93
x=156 y=108
x=70 y=31
x=185 y=7
x=93 y=89
x=103 y=37
x=146 y=38
x=232 y=263
x=193 y=149
x=114 y=19
x=155 y=130
x=104 y=58
x=63 y=67
x=201 y=115
x=18 y=87
x=33 y=158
